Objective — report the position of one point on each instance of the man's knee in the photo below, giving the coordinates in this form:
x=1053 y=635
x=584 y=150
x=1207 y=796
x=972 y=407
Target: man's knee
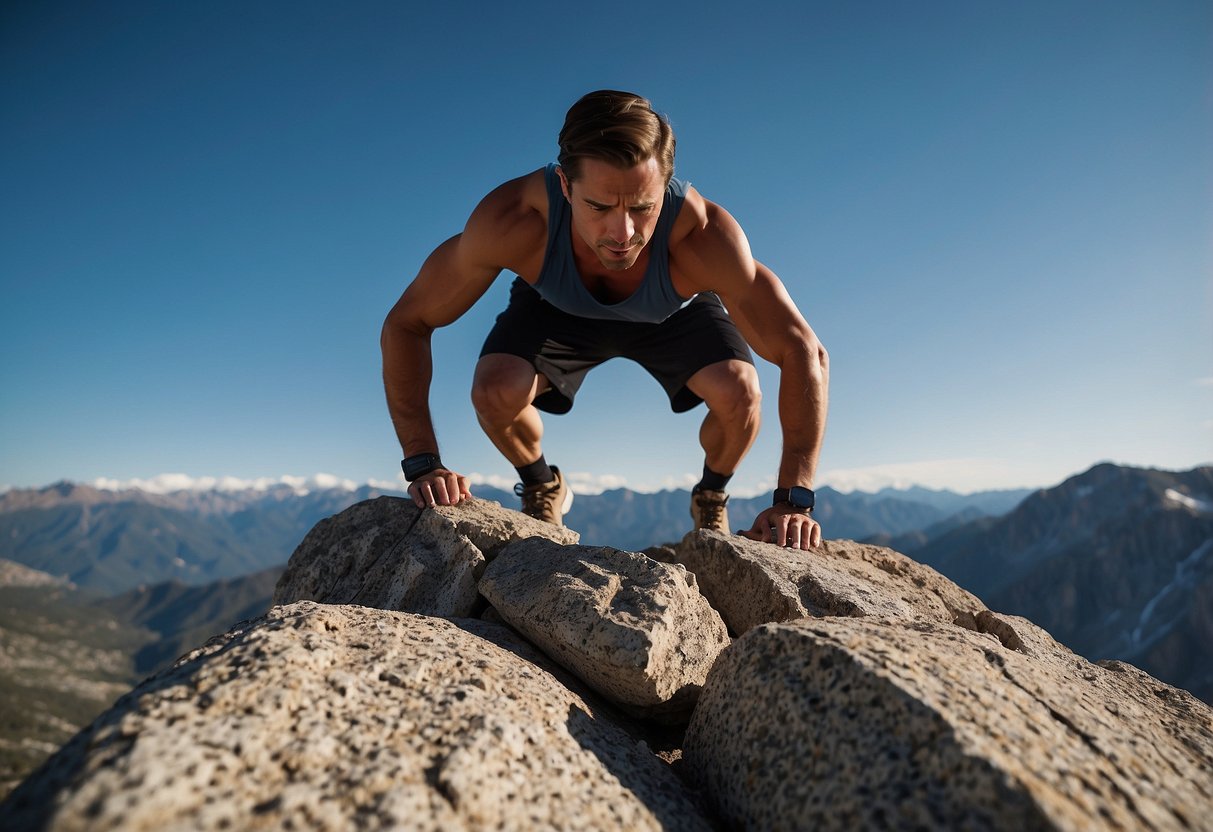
x=730 y=389
x=503 y=385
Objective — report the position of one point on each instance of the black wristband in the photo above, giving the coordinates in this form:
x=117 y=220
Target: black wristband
x=419 y=465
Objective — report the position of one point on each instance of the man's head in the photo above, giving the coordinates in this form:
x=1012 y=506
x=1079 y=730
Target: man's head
x=619 y=128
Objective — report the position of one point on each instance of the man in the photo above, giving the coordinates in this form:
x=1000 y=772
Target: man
x=614 y=257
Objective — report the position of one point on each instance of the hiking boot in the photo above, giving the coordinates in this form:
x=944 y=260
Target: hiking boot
x=708 y=510
x=547 y=501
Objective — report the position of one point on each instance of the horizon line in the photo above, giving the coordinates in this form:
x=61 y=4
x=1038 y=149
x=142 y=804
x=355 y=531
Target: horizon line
x=582 y=483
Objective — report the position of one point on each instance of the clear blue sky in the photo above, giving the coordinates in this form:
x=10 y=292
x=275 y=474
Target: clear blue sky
x=997 y=216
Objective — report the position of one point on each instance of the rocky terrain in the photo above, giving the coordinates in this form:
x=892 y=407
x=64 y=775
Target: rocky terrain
x=160 y=572
x=468 y=668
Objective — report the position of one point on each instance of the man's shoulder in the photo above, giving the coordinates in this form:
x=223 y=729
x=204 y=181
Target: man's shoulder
x=708 y=249
x=703 y=223
x=509 y=225
x=523 y=193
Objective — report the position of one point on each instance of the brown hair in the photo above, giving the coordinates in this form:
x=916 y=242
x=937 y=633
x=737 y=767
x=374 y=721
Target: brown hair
x=619 y=128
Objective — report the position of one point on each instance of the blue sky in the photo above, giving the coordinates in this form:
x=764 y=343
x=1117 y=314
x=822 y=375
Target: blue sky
x=997 y=217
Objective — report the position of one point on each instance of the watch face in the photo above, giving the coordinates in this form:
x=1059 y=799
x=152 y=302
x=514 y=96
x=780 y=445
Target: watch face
x=801 y=497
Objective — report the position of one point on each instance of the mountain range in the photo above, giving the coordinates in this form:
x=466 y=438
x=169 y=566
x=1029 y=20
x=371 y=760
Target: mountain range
x=114 y=541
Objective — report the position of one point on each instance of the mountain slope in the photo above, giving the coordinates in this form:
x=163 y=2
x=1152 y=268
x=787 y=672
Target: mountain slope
x=115 y=541
x=184 y=617
x=61 y=663
x=66 y=655
x=1116 y=563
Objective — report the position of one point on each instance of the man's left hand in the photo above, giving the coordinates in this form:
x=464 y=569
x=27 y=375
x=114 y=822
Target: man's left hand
x=786 y=526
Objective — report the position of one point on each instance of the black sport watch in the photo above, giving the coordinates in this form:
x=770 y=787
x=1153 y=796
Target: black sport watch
x=797 y=496
x=419 y=465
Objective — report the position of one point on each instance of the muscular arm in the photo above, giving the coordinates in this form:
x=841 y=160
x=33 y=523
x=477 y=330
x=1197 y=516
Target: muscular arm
x=774 y=327
x=716 y=256
x=448 y=284
x=451 y=280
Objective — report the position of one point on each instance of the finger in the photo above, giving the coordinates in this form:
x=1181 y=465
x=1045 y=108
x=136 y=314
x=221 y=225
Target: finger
x=815 y=537
x=779 y=530
x=441 y=497
x=795 y=536
x=415 y=493
x=465 y=489
x=427 y=493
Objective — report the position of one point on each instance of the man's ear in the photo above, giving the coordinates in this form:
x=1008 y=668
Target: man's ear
x=565 y=187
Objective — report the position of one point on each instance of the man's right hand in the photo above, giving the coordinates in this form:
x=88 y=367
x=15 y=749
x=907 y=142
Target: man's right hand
x=439 y=487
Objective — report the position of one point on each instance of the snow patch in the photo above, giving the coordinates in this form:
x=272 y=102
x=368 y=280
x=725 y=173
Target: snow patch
x=1195 y=503
x=1186 y=577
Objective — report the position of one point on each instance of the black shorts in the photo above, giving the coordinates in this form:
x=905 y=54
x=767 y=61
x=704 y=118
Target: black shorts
x=565 y=347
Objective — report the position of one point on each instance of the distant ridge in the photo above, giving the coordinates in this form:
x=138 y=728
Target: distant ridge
x=1116 y=562
x=115 y=539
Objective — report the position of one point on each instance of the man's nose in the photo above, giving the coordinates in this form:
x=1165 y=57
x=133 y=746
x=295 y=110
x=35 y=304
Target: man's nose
x=622 y=228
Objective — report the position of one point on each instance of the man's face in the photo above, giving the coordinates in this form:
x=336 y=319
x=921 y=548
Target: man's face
x=615 y=209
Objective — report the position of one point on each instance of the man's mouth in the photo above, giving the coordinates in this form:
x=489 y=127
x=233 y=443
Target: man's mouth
x=616 y=251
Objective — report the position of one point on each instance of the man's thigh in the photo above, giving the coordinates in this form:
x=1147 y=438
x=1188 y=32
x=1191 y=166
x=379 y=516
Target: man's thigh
x=698 y=336
x=561 y=348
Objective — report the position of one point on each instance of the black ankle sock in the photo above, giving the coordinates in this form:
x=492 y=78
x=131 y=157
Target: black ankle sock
x=537 y=472
x=712 y=481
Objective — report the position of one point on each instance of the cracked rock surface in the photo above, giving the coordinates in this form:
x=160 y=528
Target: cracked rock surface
x=635 y=630
x=753 y=583
x=846 y=723
x=334 y=718
x=389 y=554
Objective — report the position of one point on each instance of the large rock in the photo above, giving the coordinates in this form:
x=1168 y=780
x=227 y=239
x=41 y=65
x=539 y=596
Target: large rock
x=845 y=723
x=637 y=631
x=334 y=718
x=753 y=583
x=389 y=554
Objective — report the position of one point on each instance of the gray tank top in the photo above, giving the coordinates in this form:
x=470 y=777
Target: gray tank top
x=560 y=283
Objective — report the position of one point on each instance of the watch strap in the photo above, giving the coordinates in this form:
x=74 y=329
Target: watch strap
x=418 y=465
